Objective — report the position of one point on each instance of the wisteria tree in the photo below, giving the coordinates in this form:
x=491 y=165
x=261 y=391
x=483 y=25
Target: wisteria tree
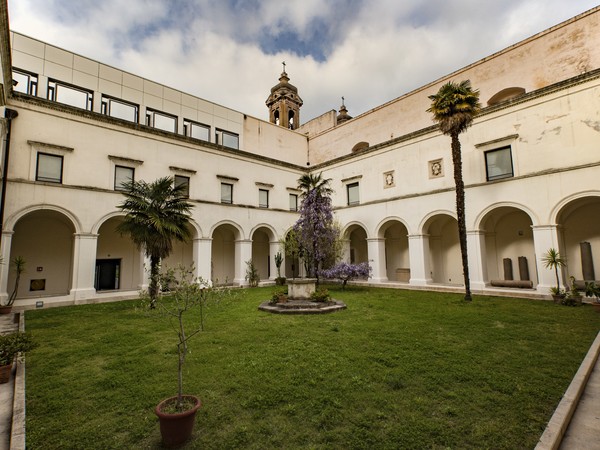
x=345 y=272
x=316 y=231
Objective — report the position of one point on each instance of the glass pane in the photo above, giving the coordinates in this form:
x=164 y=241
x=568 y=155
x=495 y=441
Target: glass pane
x=73 y=97
x=231 y=140
x=263 y=198
x=122 y=110
x=226 y=193
x=122 y=175
x=22 y=82
x=293 y=202
x=166 y=123
x=49 y=168
x=353 y=194
x=199 y=132
x=499 y=164
x=183 y=181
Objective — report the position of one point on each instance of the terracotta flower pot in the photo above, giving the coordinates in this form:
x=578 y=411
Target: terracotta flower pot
x=5 y=309
x=176 y=428
x=5 y=373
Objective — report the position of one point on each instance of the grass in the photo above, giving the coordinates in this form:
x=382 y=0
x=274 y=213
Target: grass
x=398 y=369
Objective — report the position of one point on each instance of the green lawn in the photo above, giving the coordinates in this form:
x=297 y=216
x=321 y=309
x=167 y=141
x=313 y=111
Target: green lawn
x=397 y=369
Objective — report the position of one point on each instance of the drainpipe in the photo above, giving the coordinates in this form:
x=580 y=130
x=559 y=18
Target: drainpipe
x=9 y=114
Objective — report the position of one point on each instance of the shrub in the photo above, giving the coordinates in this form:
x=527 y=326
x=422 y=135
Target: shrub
x=320 y=295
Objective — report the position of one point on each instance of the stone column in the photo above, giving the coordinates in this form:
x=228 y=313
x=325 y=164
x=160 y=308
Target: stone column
x=84 y=266
x=144 y=271
x=202 y=248
x=420 y=264
x=243 y=253
x=376 y=250
x=476 y=251
x=544 y=238
x=5 y=267
x=345 y=256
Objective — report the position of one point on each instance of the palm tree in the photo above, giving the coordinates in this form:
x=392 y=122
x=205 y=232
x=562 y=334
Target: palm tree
x=157 y=213
x=308 y=182
x=453 y=108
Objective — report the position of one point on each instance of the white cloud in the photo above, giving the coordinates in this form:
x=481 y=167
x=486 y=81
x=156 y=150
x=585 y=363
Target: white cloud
x=375 y=50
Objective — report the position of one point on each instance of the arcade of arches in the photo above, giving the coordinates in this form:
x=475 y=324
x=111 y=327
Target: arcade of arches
x=66 y=262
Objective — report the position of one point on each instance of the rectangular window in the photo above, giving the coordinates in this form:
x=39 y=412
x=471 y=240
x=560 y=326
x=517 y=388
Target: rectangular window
x=123 y=175
x=498 y=164
x=226 y=193
x=227 y=139
x=352 y=190
x=160 y=120
x=120 y=109
x=196 y=130
x=49 y=168
x=293 y=202
x=184 y=183
x=26 y=82
x=70 y=95
x=263 y=198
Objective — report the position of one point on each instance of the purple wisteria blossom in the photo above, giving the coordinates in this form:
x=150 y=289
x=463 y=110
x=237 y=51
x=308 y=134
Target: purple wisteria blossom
x=316 y=231
x=345 y=272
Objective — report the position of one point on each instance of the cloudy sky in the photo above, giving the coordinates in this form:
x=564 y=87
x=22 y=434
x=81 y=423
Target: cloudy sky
x=230 y=51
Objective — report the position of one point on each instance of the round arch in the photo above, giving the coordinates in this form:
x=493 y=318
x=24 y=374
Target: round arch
x=434 y=215
x=484 y=214
x=381 y=226
x=559 y=207
x=49 y=255
x=238 y=228
x=15 y=217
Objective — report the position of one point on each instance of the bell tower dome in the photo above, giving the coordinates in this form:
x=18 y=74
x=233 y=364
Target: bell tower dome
x=284 y=103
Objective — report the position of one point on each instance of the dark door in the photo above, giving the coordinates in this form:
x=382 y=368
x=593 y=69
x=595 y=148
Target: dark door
x=107 y=274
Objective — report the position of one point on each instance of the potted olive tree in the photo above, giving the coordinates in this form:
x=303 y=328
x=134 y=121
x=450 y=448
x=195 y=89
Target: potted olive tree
x=10 y=346
x=553 y=260
x=186 y=294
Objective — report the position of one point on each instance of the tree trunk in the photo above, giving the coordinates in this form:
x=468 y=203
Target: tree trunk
x=153 y=288
x=460 y=212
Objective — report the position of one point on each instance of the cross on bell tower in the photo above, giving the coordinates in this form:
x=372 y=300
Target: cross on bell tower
x=284 y=103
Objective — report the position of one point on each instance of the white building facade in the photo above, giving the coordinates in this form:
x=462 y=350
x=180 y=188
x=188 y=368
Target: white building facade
x=74 y=129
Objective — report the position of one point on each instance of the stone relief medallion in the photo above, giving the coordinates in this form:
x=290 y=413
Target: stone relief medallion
x=388 y=179
x=436 y=168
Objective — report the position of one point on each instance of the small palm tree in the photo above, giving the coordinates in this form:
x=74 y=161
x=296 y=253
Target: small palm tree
x=156 y=214
x=553 y=260
x=453 y=108
x=308 y=182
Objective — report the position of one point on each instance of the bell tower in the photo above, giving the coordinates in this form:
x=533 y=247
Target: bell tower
x=284 y=103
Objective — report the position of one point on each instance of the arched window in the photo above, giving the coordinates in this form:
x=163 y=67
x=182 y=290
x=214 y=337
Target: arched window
x=505 y=94
x=360 y=146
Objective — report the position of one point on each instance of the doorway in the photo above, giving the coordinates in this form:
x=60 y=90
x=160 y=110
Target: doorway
x=107 y=274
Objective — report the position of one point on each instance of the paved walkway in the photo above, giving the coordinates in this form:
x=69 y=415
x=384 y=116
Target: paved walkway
x=7 y=325
x=582 y=432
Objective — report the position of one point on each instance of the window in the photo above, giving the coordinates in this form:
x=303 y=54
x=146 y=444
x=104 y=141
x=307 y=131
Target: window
x=227 y=139
x=70 y=95
x=123 y=175
x=352 y=190
x=49 y=168
x=293 y=202
x=120 y=109
x=160 y=120
x=184 y=182
x=26 y=82
x=263 y=198
x=196 y=130
x=226 y=193
x=498 y=164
